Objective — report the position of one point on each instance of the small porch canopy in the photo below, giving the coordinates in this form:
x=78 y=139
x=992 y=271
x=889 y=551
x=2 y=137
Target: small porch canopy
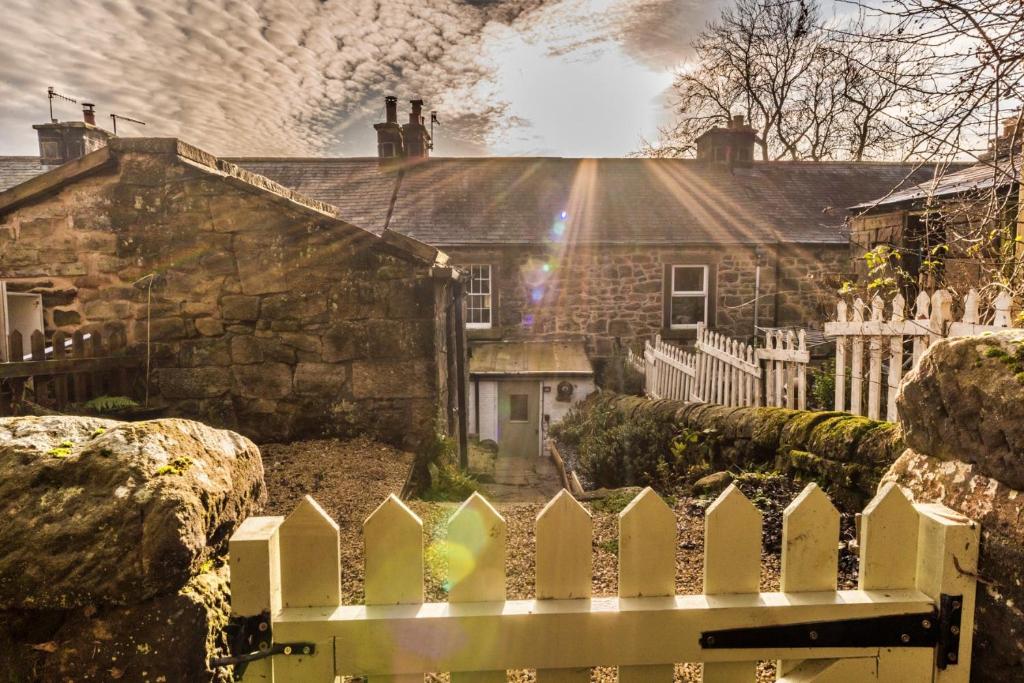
x=523 y=359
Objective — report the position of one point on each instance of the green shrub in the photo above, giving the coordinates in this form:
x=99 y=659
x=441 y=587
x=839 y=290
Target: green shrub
x=616 y=374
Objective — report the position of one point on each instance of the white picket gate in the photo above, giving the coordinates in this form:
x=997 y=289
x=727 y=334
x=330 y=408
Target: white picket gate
x=726 y=371
x=916 y=593
x=932 y=320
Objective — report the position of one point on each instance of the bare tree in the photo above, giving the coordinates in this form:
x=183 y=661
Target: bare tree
x=811 y=90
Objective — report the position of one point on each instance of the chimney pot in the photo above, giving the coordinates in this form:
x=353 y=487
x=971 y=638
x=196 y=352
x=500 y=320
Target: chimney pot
x=391 y=109
x=89 y=113
x=737 y=120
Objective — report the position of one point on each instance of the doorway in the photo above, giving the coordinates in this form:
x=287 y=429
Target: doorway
x=519 y=418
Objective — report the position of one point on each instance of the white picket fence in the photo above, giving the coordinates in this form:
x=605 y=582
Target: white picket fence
x=285 y=575
x=726 y=371
x=885 y=340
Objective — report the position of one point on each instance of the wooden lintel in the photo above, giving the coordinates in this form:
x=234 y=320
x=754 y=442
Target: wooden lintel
x=31 y=368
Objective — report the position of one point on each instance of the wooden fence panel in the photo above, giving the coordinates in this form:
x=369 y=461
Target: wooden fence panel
x=17 y=383
x=910 y=555
x=932 y=320
x=60 y=381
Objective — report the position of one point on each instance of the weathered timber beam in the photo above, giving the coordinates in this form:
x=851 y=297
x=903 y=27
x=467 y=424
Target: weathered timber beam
x=32 y=368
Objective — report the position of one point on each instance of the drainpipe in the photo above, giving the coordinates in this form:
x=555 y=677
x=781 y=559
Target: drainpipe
x=460 y=371
x=759 y=255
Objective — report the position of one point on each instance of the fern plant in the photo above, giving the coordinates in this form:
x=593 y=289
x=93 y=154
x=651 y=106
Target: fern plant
x=110 y=404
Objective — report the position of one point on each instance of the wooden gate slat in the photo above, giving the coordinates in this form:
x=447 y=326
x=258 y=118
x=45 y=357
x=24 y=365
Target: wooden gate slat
x=810 y=547
x=310 y=577
x=393 y=543
x=647 y=565
x=476 y=565
x=732 y=564
x=60 y=382
x=564 y=565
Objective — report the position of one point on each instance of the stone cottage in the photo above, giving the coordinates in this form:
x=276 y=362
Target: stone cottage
x=606 y=250
x=951 y=230
x=263 y=310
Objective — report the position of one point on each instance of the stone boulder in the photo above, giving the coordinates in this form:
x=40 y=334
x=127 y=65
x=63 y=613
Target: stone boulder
x=965 y=401
x=97 y=512
x=999 y=626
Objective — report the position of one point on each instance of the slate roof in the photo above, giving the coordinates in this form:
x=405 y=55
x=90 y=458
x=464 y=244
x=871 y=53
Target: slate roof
x=519 y=200
x=979 y=177
x=16 y=170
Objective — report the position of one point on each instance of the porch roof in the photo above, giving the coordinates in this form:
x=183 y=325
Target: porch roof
x=529 y=358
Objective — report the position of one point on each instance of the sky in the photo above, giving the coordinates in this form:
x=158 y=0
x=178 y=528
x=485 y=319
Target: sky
x=308 y=77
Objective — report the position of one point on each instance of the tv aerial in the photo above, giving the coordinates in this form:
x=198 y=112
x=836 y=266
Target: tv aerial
x=115 y=117
x=52 y=94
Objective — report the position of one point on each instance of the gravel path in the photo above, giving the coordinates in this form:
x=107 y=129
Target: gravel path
x=350 y=478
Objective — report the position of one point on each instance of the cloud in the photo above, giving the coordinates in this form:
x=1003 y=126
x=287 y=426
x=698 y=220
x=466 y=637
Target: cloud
x=278 y=77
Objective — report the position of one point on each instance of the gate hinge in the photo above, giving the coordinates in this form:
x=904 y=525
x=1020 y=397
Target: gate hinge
x=939 y=628
x=251 y=639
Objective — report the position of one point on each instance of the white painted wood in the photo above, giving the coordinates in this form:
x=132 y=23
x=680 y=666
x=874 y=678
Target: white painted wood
x=732 y=564
x=857 y=363
x=941 y=313
x=647 y=565
x=875 y=363
x=518 y=634
x=393 y=543
x=854 y=670
x=310 y=577
x=922 y=314
x=889 y=527
x=947 y=562
x=488 y=409
x=895 y=359
x=840 y=401
x=564 y=567
x=810 y=547
x=476 y=567
x=254 y=559
x=802 y=371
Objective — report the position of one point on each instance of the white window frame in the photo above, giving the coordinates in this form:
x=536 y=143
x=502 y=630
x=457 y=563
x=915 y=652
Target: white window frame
x=470 y=295
x=687 y=294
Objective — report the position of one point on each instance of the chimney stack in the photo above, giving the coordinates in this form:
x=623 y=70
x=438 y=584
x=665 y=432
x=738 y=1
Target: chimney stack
x=391 y=109
x=417 y=139
x=732 y=145
x=64 y=141
x=390 y=144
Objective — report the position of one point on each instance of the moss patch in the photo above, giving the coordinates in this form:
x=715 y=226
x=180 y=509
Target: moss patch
x=177 y=466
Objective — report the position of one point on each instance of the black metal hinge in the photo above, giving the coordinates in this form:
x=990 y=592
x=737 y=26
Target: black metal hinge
x=251 y=639
x=939 y=629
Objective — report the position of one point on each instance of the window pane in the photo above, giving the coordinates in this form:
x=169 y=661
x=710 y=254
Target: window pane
x=519 y=408
x=687 y=310
x=478 y=296
x=688 y=279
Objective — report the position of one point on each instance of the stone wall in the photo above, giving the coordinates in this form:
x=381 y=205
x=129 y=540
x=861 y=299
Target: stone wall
x=962 y=409
x=268 y=315
x=598 y=294
x=846 y=454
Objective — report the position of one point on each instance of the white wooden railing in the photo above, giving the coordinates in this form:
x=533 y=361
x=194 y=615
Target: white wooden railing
x=884 y=339
x=726 y=371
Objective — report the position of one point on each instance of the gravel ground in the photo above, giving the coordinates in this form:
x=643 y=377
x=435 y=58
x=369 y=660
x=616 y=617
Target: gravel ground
x=350 y=478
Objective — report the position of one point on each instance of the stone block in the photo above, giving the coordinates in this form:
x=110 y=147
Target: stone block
x=63 y=318
x=263 y=380
x=209 y=327
x=204 y=382
x=240 y=307
x=326 y=380
x=246 y=350
x=161 y=329
x=107 y=310
x=392 y=379
x=345 y=341
x=205 y=352
x=293 y=305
